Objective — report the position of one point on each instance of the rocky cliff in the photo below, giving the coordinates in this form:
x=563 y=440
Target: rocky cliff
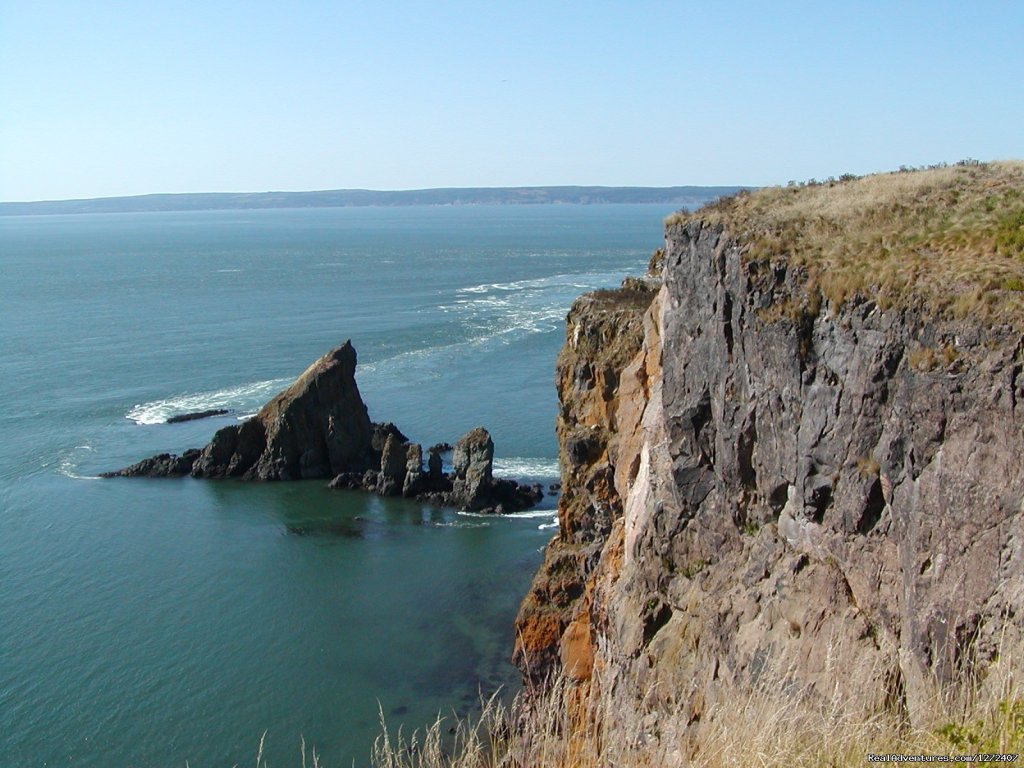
x=774 y=456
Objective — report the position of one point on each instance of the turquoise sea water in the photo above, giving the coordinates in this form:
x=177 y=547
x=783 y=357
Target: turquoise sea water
x=150 y=622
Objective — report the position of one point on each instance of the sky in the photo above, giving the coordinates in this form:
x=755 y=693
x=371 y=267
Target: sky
x=122 y=98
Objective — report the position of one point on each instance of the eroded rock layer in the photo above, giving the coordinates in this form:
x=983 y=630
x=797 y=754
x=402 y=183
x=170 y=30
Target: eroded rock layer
x=754 y=476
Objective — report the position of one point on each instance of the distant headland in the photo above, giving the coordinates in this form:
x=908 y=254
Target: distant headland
x=688 y=197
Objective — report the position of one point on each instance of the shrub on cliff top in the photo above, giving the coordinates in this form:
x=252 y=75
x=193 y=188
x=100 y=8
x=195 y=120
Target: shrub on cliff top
x=949 y=239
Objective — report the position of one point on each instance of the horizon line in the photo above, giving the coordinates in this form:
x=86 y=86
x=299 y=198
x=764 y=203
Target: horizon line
x=371 y=190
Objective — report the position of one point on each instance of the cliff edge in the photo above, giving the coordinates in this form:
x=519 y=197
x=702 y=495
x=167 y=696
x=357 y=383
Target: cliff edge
x=797 y=444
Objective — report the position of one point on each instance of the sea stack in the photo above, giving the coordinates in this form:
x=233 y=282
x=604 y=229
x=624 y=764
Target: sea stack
x=319 y=428
x=316 y=428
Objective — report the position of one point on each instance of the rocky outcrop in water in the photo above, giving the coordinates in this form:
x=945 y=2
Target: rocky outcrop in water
x=319 y=428
x=161 y=465
x=754 y=476
x=473 y=459
x=196 y=415
x=471 y=486
x=474 y=486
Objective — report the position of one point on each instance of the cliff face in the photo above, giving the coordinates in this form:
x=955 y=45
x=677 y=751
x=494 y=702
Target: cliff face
x=755 y=476
x=605 y=331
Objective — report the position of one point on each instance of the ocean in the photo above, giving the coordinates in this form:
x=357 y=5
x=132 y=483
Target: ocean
x=150 y=622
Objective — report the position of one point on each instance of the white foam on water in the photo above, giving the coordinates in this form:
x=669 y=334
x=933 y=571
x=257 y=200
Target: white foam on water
x=520 y=466
x=565 y=280
x=495 y=314
x=242 y=397
x=406 y=360
x=528 y=515
x=507 y=311
x=532 y=513
x=546 y=526
x=68 y=464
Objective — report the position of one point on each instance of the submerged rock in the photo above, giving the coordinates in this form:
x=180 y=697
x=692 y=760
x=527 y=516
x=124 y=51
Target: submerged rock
x=196 y=415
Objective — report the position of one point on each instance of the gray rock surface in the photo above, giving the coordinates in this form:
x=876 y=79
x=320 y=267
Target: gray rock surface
x=474 y=487
x=162 y=465
x=381 y=433
x=196 y=415
x=436 y=480
x=473 y=461
x=392 y=467
x=413 y=482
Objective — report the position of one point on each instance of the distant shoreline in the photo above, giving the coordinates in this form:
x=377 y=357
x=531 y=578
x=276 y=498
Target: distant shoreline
x=689 y=196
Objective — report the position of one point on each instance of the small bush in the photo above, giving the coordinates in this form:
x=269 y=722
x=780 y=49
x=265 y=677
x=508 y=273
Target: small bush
x=1000 y=733
x=1010 y=234
x=868 y=466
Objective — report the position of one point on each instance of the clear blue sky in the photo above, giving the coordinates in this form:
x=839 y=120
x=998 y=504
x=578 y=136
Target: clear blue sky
x=114 y=98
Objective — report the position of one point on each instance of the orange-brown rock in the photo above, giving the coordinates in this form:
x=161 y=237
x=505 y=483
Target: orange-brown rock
x=605 y=331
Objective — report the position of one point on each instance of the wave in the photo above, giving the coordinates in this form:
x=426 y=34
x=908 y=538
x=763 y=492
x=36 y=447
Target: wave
x=532 y=513
x=518 y=466
x=68 y=464
x=405 y=359
x=244 y=397
x=523 y=307
x=527 y=515
x=491 y=314
x=575 y=280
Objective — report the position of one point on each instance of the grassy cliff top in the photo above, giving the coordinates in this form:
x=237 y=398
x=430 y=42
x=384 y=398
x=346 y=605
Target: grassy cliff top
x=949 y=239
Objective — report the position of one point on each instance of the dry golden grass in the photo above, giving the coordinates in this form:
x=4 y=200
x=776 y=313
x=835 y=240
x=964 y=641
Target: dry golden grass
x=594 y=727
x=949 y=239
